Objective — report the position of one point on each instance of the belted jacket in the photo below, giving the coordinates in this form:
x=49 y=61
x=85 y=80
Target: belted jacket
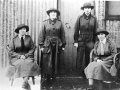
x=52 y=31
x=85 y=28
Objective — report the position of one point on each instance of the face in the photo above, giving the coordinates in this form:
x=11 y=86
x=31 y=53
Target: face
x=22 y=31
x=101 y=36
x=87 y=11
x=53 y=15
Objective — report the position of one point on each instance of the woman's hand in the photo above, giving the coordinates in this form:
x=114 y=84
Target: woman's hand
x=22 y=57
x=63 y=49
x=76 y=45
x=98 y=60
x=42 y=49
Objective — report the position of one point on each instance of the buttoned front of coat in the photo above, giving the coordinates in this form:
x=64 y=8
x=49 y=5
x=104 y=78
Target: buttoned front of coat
x=52 y=29
x=85 y=27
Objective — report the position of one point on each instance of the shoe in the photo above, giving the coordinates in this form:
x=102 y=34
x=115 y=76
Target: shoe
x=25 y=85
x=28 y=88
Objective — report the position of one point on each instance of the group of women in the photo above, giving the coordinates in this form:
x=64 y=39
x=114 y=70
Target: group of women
x=52 y=41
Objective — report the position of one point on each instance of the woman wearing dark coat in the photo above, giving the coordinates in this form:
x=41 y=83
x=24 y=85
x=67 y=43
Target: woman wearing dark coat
x=85 y=28
x=52 y=42
x=104 y=51
x=21 y=50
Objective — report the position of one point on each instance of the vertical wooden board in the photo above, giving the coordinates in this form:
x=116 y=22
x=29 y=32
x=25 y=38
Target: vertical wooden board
x=37 y=22
x=15 y=17
x=0 y=32
x=22 y=11
x=30 y=18
x=4 y=28
x=33 y=21
x=26 y=12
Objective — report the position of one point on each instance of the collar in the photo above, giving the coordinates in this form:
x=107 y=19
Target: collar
x=52 y=21
x=21 y=36
x=87 y=17
x=103 y=41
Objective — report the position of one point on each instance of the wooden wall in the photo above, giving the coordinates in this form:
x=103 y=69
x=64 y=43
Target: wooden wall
x=15 y=12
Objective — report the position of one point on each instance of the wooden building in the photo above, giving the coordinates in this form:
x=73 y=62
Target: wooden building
x=33 y=12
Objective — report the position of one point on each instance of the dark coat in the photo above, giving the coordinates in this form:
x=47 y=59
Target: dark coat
x=84 y=35
x=15 y=48
x=101 y=70
x=52 y=38
x=18 y=67
x=85 y=28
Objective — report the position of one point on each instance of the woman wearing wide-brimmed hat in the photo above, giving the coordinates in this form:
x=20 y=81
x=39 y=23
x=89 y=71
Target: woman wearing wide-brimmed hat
x=104 y=51
x=52 y=42
x=85 y=28
x=21 y=51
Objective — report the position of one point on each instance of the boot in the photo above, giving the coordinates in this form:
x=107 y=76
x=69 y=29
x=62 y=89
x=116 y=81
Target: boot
x=25 y=85
x=28 y=87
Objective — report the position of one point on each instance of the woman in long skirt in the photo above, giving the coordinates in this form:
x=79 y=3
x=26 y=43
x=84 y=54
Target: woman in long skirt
x=21 y=52
x=104 y=51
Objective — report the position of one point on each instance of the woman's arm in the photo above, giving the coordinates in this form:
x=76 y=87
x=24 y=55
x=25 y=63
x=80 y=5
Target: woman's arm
x=113 y=50
x=63 y=36
x=32 y=48
x=12 y=52
x=42 y=35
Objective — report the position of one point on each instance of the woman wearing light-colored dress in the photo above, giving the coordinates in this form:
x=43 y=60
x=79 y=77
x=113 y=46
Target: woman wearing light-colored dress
x=104 y=51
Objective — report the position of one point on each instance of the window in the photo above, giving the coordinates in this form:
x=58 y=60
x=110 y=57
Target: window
x=112 y=10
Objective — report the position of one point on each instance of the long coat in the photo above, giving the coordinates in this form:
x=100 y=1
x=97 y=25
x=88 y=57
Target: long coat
x=84 y=35
x=52 y=39
x=101 y=70
x=18 y=67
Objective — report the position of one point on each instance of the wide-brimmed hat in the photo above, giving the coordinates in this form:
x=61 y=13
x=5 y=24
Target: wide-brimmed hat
x=21 y=26
x=87 y=5
x=53 y=9
x=102 y=30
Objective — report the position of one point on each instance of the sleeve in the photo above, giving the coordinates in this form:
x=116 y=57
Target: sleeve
x=95 y=57
x=113 y=50
x=12 y=52
x=32 y=49
x=76 y=28
x=63 y=38
x=42 y=35
x=95 y=30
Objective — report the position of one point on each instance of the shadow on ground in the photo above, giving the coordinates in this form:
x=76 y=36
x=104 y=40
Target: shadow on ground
x=74 y=82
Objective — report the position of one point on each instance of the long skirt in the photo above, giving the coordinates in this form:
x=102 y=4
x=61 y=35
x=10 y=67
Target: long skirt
x=22 y=68
x=99 y=71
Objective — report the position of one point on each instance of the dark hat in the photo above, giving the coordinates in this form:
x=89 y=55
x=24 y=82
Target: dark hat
x=53 y=9
x=87 y=5
x=101 y=30
x=21 y=26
